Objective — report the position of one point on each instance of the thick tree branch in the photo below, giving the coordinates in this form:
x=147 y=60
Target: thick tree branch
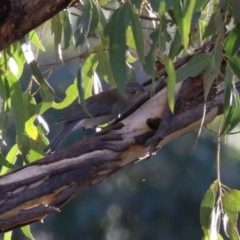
x=18 y=17
x=30 y=193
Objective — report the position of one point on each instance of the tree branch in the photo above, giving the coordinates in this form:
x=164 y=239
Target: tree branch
x=30 y=193
x=19 y=17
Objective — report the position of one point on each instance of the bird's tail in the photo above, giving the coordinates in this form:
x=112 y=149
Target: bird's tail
x=67 y=128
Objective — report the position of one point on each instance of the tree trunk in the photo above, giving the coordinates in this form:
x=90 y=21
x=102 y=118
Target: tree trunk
x=19 y=17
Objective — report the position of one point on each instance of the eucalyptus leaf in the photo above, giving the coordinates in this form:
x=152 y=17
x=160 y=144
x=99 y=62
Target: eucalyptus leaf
x=56 y=27
x=67 y=30
x=171 y=81
x=116 y=31
x=235 y=4
x=138 y=36
x=194 y=67
x=27 y=232
x=71 y=95
x=206 y=209
x=213 y=69
x=83 y=24
x=104 y=66
x=81 y=91
x=18 y=106
x=186 y=22
x=232 y=43
x=10 y=158
x=88 y=70
x=35 y=40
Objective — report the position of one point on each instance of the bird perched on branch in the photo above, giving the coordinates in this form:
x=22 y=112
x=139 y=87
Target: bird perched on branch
x=103 y=107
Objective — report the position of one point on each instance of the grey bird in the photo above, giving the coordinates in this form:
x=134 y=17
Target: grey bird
x=103 y=108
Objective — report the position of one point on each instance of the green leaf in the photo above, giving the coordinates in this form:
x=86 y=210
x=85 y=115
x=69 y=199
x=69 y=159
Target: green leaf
x=116 y=31
x=234 y=63
x=227 y=97
x=39 y=77
x=219 y=24
x=213 y=69
x=233 y=116
x=171 y=81
x=186 y=21
x=88 y=70
x=27 y=232
x=210 y=30
x=56 y=27
x=81 y=91
x=67 y=29
x=11 y=158
x=94 y=19
x=71 y=95
x=35 y=40
x=104 y=66
x=231 y=211
x=149 y=65
x=83 y=24
x=235 y=10
x=176 y=45
x=199 y=4
x=4 y=162
x=46 y=91
x=194 y=67
x=138 y=36
x=206 y=209
x=164 y=36
x=232 y=43
x=18 y=106
x=236 y=195
x=7 y=235
x=230 y=206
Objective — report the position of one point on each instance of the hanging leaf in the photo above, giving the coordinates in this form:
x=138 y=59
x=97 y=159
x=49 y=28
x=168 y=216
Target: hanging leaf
x=138 y=36
x=56 y=27
x=18 y=106
x=194 y=67
x=206 y=209
x=235 y=6
x=234 y=63
x=186 y=22
x=176 y=45
x=94 y=19
x=213 y=69
x=116 y=31
x=27 y=232
x=71 y=95
x=104 y=66
x=236 y=195
x=83 y=24
x=81 y=91
x=10 y=158
x=67 y=29
x=231 y=211
x=88 y=70
x=171 y=81
x=35 y=40
x=232 y=43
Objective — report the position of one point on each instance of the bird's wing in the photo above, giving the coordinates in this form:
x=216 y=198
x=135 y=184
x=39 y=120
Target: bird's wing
x=96 y=110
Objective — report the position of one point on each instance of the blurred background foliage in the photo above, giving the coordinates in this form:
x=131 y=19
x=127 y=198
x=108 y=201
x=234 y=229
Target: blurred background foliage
x=157 y=199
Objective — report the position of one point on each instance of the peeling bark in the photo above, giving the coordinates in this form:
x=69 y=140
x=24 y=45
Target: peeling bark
x=30 y=193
